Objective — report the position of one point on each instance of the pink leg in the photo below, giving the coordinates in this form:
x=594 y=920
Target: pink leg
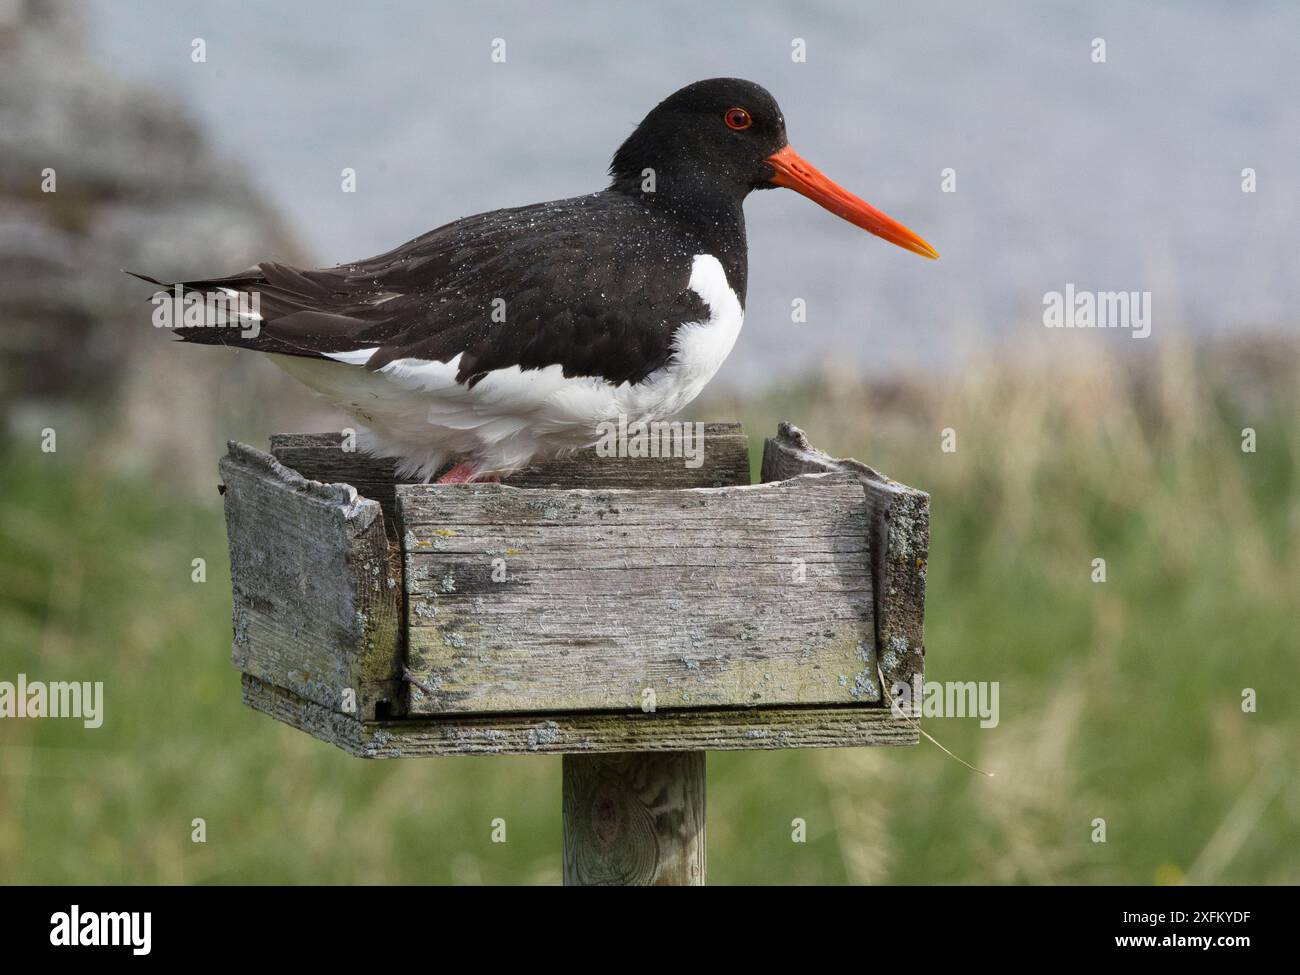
x=462 y=473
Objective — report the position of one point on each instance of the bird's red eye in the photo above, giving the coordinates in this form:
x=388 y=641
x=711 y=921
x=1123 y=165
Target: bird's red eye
x=737 y=118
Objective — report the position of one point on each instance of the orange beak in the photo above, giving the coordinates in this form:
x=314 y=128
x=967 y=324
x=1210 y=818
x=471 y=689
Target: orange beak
x=794 y=173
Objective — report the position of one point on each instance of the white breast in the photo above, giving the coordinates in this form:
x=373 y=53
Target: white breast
x=700 y=348
x=414 y=409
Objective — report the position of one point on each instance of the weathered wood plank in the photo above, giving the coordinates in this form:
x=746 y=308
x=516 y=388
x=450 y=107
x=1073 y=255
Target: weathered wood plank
x=324 y=457
x=634 y=820
x=900 y=517
x=549 y=600
x=316 y=595
x=560 y=734
x=724 y=462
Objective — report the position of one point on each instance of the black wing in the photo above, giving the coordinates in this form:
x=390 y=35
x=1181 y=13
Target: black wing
x=596 y=284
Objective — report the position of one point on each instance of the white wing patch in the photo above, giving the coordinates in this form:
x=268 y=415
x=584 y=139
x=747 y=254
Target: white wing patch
x=357 y=357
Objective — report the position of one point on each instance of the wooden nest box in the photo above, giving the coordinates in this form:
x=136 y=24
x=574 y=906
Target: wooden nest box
x=629 y=613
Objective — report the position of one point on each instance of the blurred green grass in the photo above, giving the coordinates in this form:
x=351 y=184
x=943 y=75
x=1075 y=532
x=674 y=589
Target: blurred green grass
x=1119 y=700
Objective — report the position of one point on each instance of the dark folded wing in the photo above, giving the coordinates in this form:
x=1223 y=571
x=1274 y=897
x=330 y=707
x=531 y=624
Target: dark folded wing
x=593 y=284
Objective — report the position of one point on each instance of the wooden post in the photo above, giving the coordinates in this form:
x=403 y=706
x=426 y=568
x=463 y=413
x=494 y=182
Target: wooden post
x=634 y=819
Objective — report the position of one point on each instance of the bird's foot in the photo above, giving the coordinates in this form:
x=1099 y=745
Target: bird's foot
x=462 y=473
x=465 y=472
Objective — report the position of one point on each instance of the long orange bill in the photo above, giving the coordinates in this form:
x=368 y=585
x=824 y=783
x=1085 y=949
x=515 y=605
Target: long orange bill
x=794 y=173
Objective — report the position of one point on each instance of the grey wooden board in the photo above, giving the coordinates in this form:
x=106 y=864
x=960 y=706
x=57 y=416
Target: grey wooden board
x=900 y=550
x=316 y=594
x=634 y=820
x=551 y=600
x=725 y=462
x=517 y=734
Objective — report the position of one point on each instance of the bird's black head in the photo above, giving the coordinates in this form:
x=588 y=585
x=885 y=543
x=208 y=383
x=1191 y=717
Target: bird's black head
x=704 y=148
x=714 y=135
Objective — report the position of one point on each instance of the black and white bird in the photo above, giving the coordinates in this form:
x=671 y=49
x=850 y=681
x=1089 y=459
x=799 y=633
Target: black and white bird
x=512 y=335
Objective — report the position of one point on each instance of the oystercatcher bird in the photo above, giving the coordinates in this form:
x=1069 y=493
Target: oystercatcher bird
x=513 y=334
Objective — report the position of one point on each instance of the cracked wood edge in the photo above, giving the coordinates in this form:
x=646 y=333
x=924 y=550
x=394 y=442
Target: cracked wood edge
x=315 y=597
x=900 y=516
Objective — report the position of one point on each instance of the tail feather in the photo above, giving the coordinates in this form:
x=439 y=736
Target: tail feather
x=286 y=314
x=145 y=277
